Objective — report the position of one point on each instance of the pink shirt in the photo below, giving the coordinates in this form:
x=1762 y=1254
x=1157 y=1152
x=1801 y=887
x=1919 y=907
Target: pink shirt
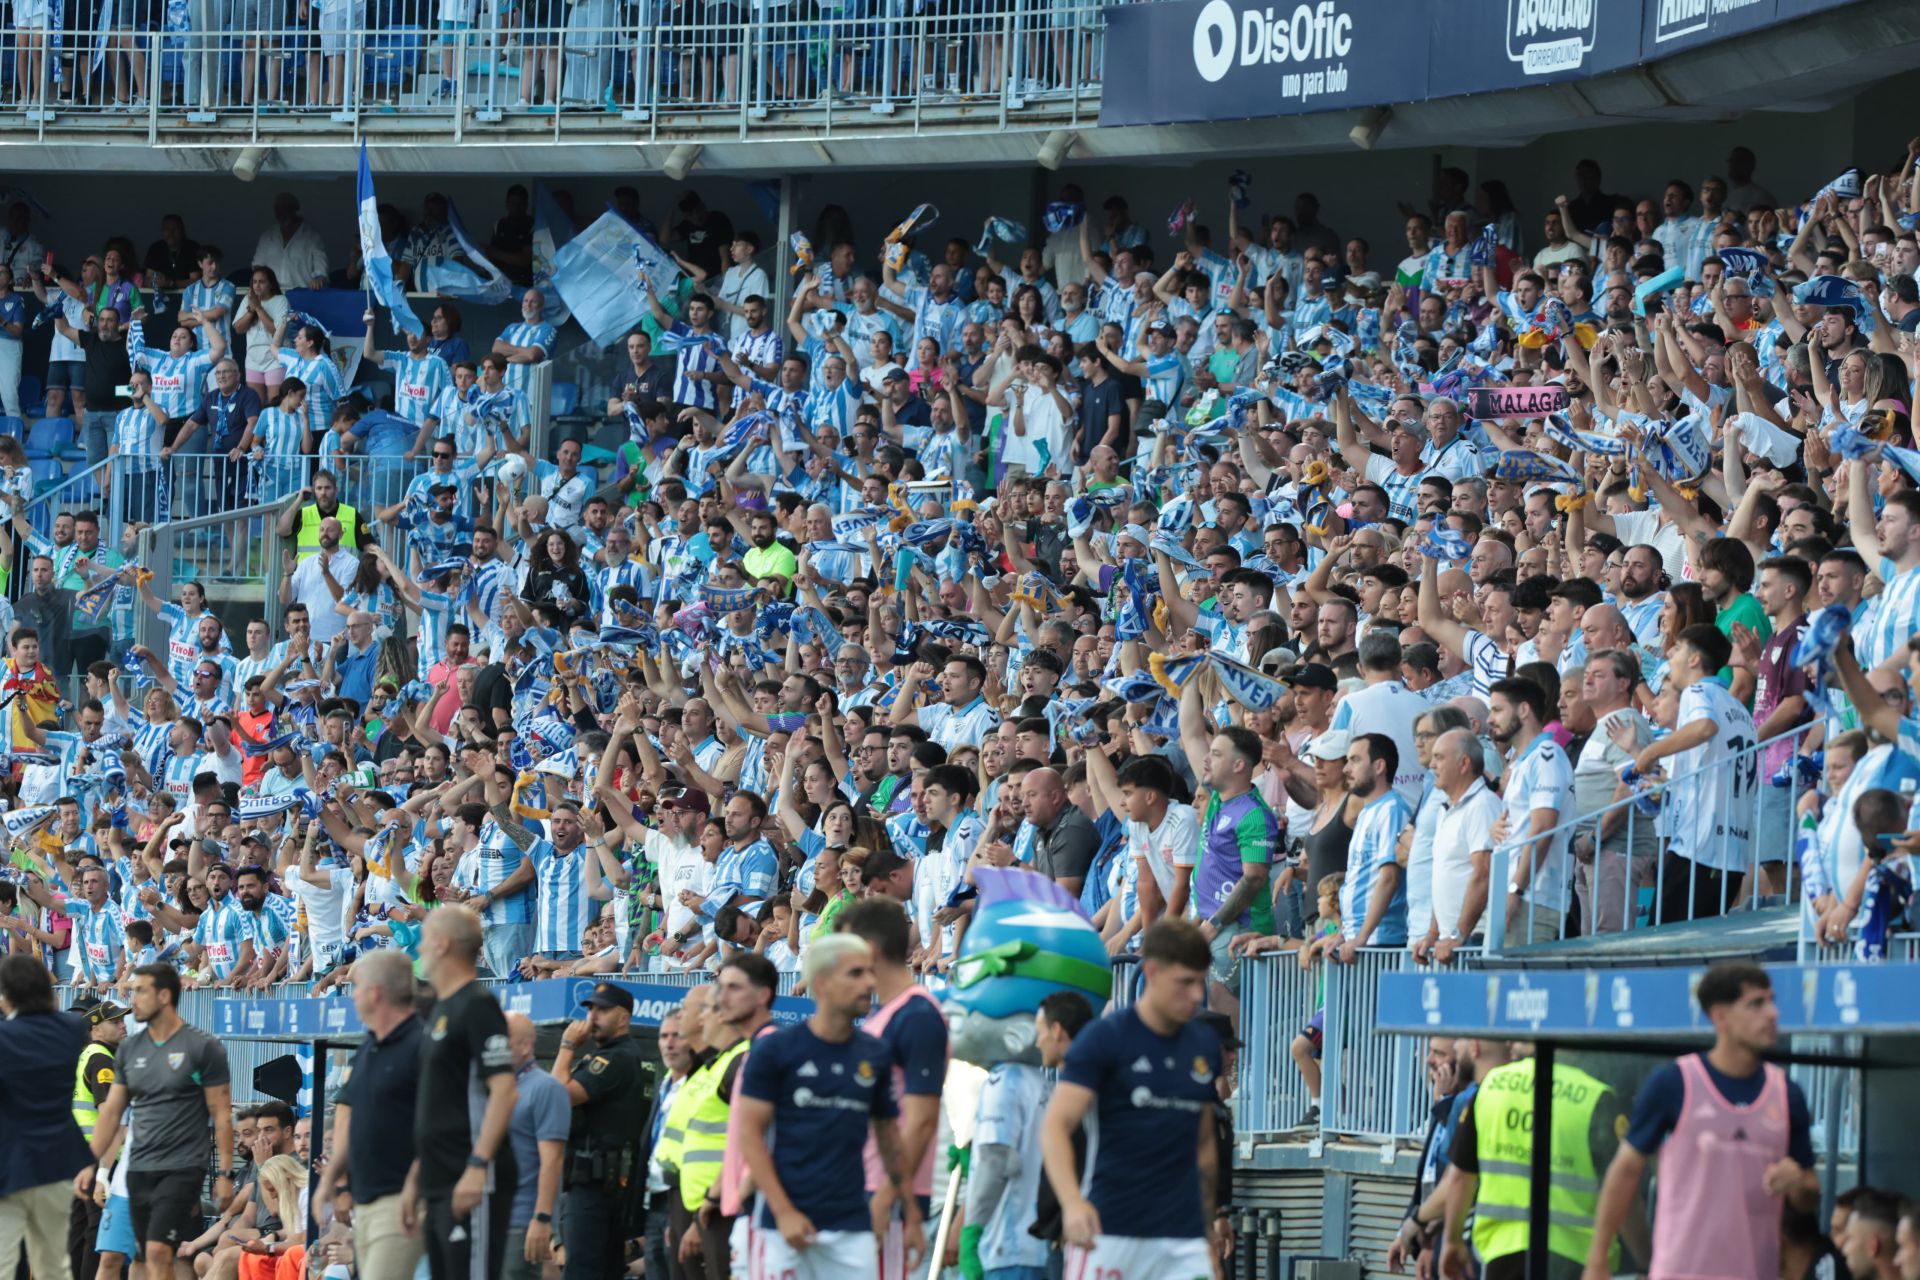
x=1714 y=1219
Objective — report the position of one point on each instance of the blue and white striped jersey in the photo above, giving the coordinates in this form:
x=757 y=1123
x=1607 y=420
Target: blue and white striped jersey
x=1891 y=617
x=418 y=383
x=324 y=386
x=561 y=905
x=200 y=296
x=750 y=872
x=485 y=867
x=137 y=438
x=1376 y=838
x=526 y=335
x=177 y=380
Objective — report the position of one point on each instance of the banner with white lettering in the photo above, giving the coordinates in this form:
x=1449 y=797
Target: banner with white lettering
x=1479 y=46
x=1237 y=59
x=1192 y=60
x=1668 y=26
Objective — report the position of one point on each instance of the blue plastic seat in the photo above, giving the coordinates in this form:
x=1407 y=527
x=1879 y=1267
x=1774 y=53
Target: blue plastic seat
x=563 y=399
x=32 y=391
x=46 y=437
x=47 y=473
x=13 y=427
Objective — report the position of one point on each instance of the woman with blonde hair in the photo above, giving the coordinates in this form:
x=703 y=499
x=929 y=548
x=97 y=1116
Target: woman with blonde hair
x=279 y=1252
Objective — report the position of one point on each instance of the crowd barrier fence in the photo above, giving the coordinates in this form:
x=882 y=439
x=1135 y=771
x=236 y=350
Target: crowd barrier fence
x=610 y=66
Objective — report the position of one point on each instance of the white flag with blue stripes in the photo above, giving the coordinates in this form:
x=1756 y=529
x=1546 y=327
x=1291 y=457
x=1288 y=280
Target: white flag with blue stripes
x=373 y=252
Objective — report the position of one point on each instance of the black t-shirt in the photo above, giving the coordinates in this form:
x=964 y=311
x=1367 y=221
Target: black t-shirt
x=176 y=264
x=390 y=745
x=465 y=1043
x=383 y=1082
x=707 y=242
x=1098 y=403
x=107 y=367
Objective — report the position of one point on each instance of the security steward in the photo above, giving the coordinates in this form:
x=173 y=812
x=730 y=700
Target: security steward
x=606 y=1174
x=1493 y=1171
x=92 y=1082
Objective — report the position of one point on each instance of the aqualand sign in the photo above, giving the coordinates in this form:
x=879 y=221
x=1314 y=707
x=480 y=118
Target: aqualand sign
x=1196 y=60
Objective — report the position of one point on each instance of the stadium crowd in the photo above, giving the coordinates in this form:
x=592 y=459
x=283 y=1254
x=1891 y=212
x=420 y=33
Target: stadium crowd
x=1242 y=575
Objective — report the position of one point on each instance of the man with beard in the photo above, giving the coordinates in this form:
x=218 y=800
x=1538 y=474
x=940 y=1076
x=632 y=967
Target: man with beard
x=304 y=582
x=268 y=929
x=1539 y=796
x=767 y=557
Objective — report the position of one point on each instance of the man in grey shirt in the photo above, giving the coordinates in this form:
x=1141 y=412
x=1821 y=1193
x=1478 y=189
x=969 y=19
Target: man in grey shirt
x=541 y=1121
x=175 y=1078
x=1066 y=841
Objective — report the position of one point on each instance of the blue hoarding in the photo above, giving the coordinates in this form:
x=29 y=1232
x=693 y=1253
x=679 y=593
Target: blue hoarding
x=1656 y=1003
x=1228 y=59
x=1193 y=60
x=547 y=1001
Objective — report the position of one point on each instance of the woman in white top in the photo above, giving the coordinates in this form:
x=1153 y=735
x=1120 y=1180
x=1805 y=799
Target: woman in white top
x=257 y=318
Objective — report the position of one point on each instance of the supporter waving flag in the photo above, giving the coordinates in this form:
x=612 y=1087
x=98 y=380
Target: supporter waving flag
x=373 y=253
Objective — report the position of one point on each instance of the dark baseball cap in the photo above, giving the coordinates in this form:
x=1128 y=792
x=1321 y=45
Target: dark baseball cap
x=691 y=800
x=606 y=995
x=98 y=1011
x=1311 y=675
x=895 y=374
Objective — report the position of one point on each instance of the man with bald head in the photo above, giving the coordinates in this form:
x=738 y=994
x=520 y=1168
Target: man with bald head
x=1065 y=840
x=353 y=658
x=538 y=1132
x=1490 y=556
x=1462 y=845
x=305 y=582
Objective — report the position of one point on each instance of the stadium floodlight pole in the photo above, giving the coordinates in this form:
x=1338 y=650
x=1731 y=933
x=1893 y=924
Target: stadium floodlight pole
x=681 y=159
x=1053 y=152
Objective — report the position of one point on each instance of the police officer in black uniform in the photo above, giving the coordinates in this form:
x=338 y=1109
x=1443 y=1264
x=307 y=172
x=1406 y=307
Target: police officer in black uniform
x=605 y=1073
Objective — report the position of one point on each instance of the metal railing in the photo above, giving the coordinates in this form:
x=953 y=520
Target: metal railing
x=239 y=547
x=828 y=67
x=1732 y=813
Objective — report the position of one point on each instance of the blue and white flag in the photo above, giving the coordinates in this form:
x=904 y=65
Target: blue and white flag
x=599 y=272
x=483 y=282
x=1837 y=291
x=1005 y=230
x=1681 y=450
x=551 y=230
x=1825 y=631
x=373 y=253
x=1524 y=466
x=1742 y=261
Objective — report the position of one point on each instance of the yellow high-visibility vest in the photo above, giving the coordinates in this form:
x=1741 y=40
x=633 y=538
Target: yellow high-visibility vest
x=1503 y=1128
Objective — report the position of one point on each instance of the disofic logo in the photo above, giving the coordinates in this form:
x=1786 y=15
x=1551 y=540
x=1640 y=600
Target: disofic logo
x=1223 y=35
